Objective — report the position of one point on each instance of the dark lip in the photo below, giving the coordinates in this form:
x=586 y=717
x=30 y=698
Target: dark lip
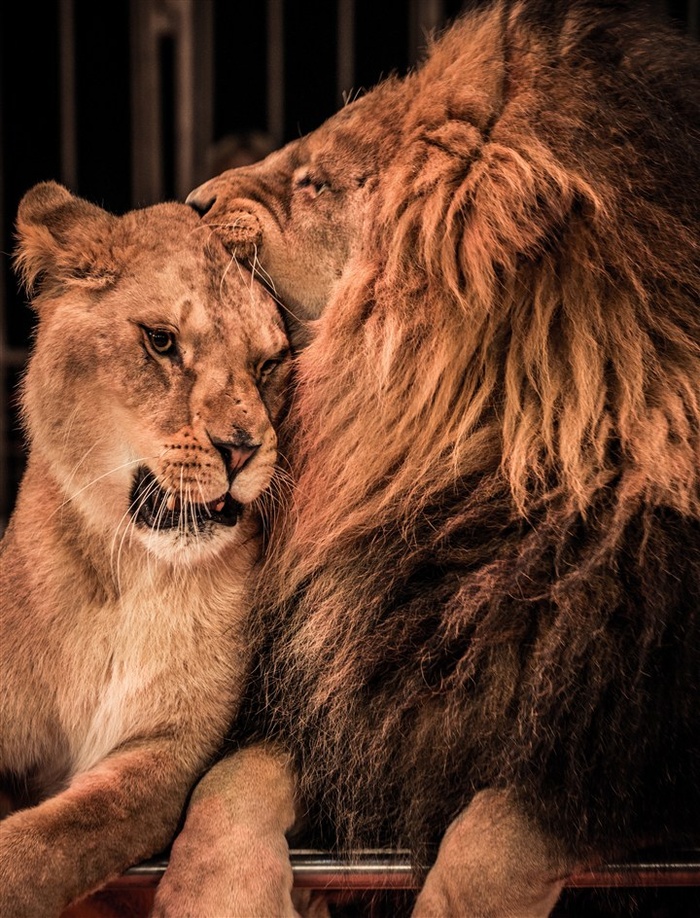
x=148 y=507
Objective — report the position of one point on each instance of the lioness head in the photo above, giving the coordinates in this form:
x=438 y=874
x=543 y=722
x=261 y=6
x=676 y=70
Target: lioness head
x=297 y=214
x=157 y=372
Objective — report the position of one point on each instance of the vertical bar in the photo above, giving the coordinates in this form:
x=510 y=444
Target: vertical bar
x=203 y=92
x=147 y=168
x=183 y=21
x=425 y=17
x=346 y=50
x=69 y=147
x=275 y=70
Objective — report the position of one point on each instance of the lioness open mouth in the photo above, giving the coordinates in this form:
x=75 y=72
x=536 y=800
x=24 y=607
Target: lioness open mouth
x=159 y=509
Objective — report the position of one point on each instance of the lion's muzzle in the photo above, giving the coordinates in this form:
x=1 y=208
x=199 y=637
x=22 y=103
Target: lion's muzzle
x=240 y=231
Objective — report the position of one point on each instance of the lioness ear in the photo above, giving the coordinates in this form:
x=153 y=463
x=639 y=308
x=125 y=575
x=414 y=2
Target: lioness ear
x=62 y=240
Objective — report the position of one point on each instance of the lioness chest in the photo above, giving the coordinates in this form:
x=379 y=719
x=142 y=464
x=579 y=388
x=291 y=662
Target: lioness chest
x=165 y=656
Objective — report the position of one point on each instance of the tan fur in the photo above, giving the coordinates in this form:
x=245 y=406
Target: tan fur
x=239 y=813
x=247 y=802
x=123 y=645
x=483 y=591
x=506 y=868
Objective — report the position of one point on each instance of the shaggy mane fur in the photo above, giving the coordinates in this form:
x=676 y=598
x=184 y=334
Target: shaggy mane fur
x=489 y=571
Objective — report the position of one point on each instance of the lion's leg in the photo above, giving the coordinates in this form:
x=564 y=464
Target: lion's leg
x=123 y=810
x=492 y=863
x=231 y=857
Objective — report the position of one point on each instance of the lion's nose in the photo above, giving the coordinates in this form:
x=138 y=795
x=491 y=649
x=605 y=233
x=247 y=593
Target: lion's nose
x=236 y=453
x=201 y=200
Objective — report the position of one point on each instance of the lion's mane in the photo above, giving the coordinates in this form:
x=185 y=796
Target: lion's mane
x=489 y=571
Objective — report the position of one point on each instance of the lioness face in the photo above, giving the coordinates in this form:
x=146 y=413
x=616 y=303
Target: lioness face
x=157 y=374
x=298 y=214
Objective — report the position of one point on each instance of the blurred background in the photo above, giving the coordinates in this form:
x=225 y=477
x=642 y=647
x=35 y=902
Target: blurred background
x=129 y=102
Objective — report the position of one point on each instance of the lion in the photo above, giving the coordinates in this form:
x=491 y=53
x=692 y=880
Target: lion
x=479 y=623
x=150 y=401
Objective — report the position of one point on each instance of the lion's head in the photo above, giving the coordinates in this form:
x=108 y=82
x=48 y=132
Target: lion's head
x=297 y=217
x=157 y=372
x=490 y=567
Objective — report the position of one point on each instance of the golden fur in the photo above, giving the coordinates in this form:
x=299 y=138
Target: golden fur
x=481 y=619
x=128 y=564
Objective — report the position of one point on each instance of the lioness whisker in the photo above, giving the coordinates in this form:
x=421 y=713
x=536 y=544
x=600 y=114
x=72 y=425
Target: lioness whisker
x=201 y=493
x=182 y=521
x=94 y=481
x=75 y=470
x=130 y=516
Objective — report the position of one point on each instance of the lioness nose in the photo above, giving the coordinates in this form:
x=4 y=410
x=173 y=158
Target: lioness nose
x=235 y=453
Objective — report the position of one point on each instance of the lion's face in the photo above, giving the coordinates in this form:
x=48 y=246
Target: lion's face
x=298 y=214
x=157 y=374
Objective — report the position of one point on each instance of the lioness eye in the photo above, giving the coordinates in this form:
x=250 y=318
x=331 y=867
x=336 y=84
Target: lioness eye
x=161 y=340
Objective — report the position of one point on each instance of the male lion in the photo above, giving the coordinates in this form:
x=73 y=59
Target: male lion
x=483 y=600
x=127 y=566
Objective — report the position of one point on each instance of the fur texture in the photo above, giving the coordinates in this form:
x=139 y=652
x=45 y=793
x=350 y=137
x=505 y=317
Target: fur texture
x=488 y=573
x=127 y=568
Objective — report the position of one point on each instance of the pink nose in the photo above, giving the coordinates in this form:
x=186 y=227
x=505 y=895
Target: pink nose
x=239 y=455
x=235 y=453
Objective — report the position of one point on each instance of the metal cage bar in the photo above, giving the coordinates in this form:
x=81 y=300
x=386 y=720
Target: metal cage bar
x=392 y=870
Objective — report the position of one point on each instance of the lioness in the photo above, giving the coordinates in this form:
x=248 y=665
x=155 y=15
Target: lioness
x=483 y=594
x=149 y=400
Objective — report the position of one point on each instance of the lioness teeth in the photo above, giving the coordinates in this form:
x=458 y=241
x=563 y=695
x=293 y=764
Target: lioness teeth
x=163 y=509
x=172 y=502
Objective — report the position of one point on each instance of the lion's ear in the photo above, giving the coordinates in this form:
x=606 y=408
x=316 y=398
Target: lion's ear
x=62 y=240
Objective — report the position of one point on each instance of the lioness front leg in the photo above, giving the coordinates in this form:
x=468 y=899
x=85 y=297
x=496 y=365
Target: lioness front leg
x=492 y=863
x=121 y=811
x=231 y=857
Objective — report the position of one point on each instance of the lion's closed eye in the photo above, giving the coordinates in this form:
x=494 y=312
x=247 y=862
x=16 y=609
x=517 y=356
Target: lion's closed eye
x=308 y=180
x=268 y=367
